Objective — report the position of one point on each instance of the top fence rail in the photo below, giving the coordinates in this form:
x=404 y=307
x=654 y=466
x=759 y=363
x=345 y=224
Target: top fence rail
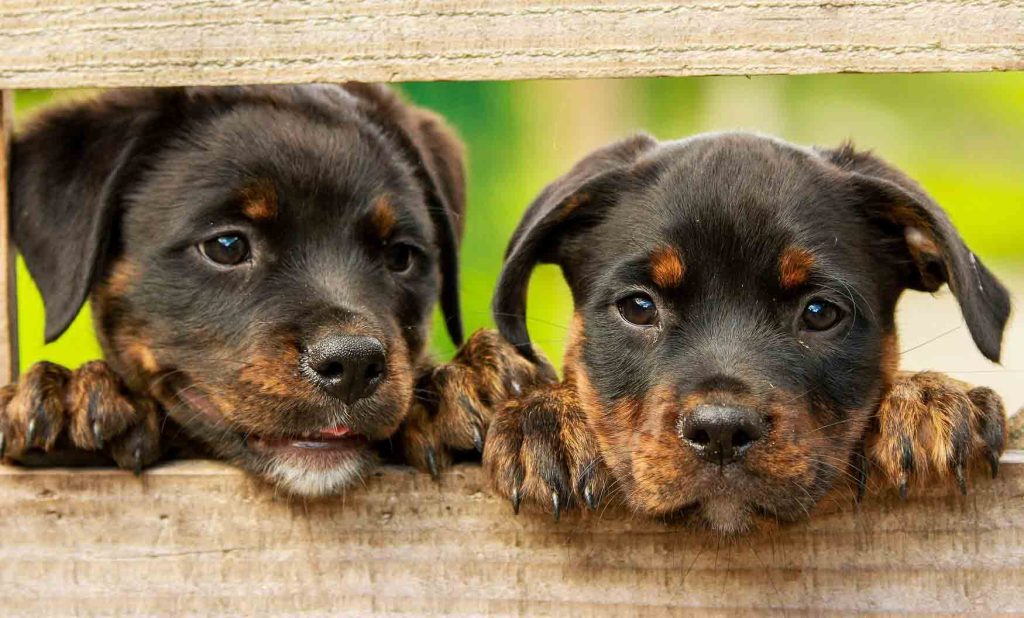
x=85 y=43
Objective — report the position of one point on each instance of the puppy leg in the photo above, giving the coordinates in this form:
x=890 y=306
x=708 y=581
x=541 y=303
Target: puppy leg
x=931 y=425
x=540 y=450
x=53 y=409
x=455 y=402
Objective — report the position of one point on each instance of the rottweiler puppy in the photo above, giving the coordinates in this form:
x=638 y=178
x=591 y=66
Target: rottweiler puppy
x=733 y=354
x=263 y=263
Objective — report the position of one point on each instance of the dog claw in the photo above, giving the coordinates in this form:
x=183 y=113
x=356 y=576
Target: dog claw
x=555 y=503
x=588 y=497
x=515 y=387
x=478 y=440
x=960 y=480
x=432 y=463
x=862 y=474
x=516 y=499
x=993 y=462
x=97 y=433
x=3 y=444
x=30 y=436
x=137 y=461
x=903 y=489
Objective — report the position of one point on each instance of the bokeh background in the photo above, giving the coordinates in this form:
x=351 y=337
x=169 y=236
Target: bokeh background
x=961 y=135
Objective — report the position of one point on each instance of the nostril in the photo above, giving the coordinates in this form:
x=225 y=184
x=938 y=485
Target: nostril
x=741 y=439
x=331 y=370
x=374 y=371
x=699 y=437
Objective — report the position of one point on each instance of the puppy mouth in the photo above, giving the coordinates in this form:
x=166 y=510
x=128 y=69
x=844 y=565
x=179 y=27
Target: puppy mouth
x=337 y=438
x=318 y=443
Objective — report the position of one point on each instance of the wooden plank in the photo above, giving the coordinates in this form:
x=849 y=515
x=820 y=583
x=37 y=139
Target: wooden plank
x=8 y=284
x=201 y=538
x=71 y=43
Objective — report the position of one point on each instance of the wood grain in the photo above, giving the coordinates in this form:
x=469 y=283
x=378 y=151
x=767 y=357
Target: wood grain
x=72 y=43
x=8 y=286
x=201 y=538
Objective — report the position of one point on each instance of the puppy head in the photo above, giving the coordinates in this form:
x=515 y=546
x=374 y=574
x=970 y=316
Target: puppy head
x=264 y=261
x=735 y=300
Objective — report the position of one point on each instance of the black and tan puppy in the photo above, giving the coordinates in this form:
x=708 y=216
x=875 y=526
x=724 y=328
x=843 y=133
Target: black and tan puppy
x=734 y=354
x=263 y=264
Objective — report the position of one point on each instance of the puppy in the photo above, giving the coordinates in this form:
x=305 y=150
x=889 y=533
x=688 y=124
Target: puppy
x=733 y=354
x=262 y=263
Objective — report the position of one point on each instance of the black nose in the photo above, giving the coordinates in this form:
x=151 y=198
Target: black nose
x=722 y=434
x=345 y=366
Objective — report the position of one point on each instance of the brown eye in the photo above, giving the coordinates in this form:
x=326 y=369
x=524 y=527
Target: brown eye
x=821 y=315
x=398 y=257
x=227 y=250
x=638 y=309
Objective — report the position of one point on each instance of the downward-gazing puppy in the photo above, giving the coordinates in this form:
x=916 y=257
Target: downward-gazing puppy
x=263 y=264
x=733 y=354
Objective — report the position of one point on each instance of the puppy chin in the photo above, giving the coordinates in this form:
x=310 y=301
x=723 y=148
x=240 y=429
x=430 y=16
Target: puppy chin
x=726 y=515
x=309 y=478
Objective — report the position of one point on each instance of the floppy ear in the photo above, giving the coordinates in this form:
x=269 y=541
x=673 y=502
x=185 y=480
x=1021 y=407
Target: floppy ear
x=438 y=158
x=68 y=171
x=572 y=203
x=930 y=248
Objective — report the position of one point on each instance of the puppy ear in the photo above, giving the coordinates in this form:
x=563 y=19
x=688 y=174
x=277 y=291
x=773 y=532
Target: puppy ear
x=572 y=203
x=931 y=249
x=68 y=170
x=438 y=158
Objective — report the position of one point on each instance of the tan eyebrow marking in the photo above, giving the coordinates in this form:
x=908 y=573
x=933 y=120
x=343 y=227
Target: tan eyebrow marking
x=795 y=267
x=383 y=217
x=260 y=200
x=667 y=267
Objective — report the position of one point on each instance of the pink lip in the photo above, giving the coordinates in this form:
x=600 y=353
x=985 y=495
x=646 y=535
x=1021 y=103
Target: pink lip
x=339 y=431
x=333 y=438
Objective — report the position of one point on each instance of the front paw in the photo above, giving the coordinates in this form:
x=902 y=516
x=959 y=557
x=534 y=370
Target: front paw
x=931 y=425
x=540 y=451
x=52 y=408
x=455 y=402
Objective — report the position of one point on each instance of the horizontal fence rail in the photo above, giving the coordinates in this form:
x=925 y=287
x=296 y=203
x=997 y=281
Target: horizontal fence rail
x=75 y=43
x=199 y=538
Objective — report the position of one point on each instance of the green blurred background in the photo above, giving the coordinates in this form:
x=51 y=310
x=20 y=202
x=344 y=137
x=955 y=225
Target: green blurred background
x=961 y=135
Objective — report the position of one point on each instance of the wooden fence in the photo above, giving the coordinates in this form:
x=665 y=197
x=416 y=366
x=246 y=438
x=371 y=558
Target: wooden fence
x=198 y=538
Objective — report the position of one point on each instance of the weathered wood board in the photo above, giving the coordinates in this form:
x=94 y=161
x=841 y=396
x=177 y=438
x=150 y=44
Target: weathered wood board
x=200 y=538
x=8 y=289
x=74 y=43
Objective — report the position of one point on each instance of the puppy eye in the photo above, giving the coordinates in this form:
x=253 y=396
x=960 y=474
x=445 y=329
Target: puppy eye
x=227 y=250
x=398 y=257
x=638 y=309
x=821 y=315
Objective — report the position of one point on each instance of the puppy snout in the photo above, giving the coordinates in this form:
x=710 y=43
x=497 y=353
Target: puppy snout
x=721 y=434
x=347 y=367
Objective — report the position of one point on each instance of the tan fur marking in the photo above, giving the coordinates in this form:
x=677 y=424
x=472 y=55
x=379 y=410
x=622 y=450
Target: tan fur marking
x=122 y=275
x=667 y=268
x=260 y=200
x=795 y=267
x=572 y=204
x=383 y=217
x=274 y=374
x=143 y=357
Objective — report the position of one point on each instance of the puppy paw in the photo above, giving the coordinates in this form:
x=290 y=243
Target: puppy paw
x=53 y=408
x=455 y=402
x=540 y=451
x=930 y=425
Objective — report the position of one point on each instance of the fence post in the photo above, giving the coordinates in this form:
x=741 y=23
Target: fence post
x=8 y=300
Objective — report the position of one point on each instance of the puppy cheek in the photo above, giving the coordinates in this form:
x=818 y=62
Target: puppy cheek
x=393 y=399
x=665 y=472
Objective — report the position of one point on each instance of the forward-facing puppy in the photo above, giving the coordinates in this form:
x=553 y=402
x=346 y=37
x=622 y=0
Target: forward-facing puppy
x=263 y=264
x=733 y=353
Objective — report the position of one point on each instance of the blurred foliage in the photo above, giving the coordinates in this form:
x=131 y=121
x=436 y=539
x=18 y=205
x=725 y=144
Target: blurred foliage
x=961 y=135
